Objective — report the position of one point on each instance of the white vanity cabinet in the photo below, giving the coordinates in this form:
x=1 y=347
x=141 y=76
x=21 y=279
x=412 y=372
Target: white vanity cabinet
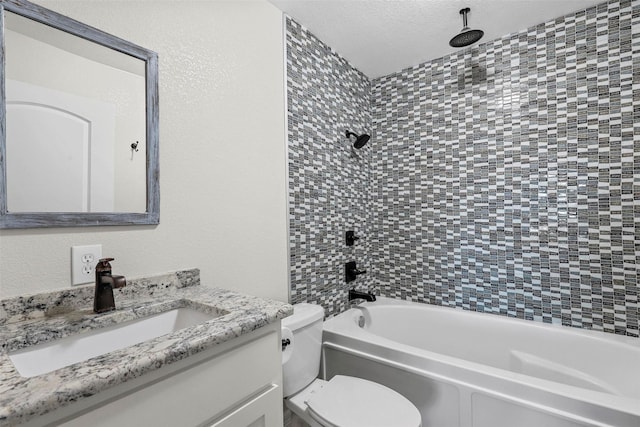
x=234 y=384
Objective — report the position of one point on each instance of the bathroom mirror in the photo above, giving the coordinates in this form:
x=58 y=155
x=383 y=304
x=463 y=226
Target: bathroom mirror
x=78 y=123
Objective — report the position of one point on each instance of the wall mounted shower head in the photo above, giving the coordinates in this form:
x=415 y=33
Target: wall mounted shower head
x=466 y=37
x=360 y=140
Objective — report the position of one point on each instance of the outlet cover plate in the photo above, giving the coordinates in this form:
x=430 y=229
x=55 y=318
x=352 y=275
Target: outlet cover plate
x=83 y=263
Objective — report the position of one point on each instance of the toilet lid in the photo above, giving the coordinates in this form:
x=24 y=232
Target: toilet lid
x=354 y=402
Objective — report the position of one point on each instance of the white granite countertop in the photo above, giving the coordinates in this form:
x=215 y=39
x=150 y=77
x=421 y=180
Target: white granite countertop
x=34 y=319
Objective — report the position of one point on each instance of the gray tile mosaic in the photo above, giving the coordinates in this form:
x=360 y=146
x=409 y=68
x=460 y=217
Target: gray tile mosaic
x=329 y=181
x=504 y=178
x=504 y=175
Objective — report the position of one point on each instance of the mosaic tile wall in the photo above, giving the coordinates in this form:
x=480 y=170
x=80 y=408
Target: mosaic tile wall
x=507 y=176
x=329 y=182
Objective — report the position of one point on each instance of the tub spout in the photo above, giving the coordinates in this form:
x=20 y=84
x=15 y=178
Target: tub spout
x=367 y=296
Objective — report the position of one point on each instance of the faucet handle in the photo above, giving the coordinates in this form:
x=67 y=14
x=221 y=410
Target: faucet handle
x=103 y=266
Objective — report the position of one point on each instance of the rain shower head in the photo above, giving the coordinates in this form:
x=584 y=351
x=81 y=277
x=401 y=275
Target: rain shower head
x=467 y=36
x=360 y=140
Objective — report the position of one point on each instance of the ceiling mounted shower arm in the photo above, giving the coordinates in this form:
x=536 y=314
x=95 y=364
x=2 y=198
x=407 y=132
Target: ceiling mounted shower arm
x=464 y=12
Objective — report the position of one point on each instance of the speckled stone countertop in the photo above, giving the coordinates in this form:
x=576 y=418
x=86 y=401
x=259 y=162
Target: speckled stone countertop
x=34 y=319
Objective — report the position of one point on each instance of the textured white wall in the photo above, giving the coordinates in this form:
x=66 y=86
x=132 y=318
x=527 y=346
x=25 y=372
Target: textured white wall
x=222 y=153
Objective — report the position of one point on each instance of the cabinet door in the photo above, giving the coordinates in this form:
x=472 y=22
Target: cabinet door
x=265 y=410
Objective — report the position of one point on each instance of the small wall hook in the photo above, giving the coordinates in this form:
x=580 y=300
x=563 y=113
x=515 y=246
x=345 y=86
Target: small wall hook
x=134 y=146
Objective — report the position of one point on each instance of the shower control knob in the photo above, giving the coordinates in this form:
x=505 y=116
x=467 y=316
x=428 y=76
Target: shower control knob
x=351 y=271
x=350 y=237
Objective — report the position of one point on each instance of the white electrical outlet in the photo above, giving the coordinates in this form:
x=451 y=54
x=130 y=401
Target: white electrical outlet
x=83 y=263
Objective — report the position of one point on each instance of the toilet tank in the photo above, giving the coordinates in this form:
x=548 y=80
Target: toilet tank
x=301 y=358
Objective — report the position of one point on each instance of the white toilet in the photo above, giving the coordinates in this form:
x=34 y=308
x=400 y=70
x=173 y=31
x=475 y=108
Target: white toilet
x=342 y=401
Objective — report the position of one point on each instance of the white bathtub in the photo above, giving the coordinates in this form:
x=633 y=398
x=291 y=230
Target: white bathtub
x=469 y=369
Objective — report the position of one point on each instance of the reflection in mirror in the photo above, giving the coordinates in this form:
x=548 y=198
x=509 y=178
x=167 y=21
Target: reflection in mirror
x=73 y=109
x=78 y=123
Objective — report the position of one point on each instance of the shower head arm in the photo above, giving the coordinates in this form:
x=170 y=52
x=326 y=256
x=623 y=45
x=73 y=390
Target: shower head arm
x=350 y=134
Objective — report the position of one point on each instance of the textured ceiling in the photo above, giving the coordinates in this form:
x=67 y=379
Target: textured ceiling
x=380 y=37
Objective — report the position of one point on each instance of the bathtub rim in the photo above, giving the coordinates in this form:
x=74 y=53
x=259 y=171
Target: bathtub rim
x=459 y=311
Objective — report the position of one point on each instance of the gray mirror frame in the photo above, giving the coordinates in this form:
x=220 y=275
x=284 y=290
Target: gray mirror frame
x=64 y=219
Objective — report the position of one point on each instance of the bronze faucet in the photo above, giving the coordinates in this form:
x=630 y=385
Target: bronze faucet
x=105 y=283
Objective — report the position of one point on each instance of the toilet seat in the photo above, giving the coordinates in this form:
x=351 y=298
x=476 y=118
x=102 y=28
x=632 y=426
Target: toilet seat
x=354 y=402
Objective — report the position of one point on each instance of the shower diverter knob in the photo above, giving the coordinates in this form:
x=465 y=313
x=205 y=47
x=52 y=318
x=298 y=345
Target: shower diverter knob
x=351 y=271
x=350 y=237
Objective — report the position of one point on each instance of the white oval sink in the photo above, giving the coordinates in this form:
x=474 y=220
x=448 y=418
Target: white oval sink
x=47 y=357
